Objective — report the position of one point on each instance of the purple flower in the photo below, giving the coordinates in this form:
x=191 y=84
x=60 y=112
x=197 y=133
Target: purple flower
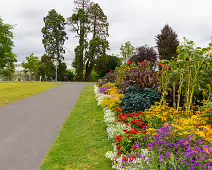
x=138 y=145
x=168 y=155
x=104 y=89
x=161 y=158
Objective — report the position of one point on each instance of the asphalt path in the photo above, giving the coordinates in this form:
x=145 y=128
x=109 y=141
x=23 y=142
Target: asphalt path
x=29 y=127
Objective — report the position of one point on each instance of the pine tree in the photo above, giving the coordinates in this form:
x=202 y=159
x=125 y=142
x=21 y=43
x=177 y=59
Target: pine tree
x=167 y=43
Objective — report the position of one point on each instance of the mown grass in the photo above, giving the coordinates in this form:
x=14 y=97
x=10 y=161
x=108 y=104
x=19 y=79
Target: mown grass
x=13 y=91
x=82 y=142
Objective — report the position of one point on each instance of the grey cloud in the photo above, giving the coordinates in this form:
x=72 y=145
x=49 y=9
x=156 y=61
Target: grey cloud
x=137 y=21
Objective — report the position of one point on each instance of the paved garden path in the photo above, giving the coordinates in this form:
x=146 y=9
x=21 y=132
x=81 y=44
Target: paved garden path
x=29 y=127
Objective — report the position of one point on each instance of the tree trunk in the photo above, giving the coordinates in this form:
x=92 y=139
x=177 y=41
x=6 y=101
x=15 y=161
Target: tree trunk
x=88 y=70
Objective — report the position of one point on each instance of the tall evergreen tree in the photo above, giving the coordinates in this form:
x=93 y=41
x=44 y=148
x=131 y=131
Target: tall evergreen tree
x=54 y=35
x=167 y=43
x=98 y=44
x=79 y=23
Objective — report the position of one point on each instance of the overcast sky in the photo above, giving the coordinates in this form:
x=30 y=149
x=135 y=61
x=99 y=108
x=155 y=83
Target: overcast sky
x=137 y=21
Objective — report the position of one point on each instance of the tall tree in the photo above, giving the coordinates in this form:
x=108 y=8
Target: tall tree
x=80 y=24
x=54 y=35
x=144 y=53
x=98 y=44
x=32 y=66
x=7 y=57
x=167 y=43
x=126 y=51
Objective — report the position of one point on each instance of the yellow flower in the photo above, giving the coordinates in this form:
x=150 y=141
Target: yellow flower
x=114 y=99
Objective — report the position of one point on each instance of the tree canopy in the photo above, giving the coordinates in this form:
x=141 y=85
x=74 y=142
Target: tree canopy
x=127 y=51
x=144 y=53
x=79 y=23
x=32 y=66
x=98 y=44
x=106 y=63
x=167 y=43
x=7 y=57
x=54 y=35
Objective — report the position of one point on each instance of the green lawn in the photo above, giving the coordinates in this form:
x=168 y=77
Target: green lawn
x=14 y=91
x=82 y=142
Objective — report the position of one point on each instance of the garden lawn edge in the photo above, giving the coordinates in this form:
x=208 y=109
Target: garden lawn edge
x=82 y=142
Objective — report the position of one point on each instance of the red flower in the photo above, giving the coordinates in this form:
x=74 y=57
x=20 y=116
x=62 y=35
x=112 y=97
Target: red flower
x=111 y=71
x=123 y=117
x=134 y=122
x=129 y=62
x=134 y=148
x=119 y=153
x=139 y=113
x=139 y=62
x=119 y=109
x=134 y=132
x=169 y=68
x=119 y=138
x=132 y=159
x=131 y=115
x=124 y=158
x=119 y=147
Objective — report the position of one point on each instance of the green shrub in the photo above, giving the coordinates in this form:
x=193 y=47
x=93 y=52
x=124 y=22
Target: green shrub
x=140 y=99
x=70 y=75
x=94 y=76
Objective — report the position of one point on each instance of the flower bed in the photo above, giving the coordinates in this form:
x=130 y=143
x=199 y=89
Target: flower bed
x=173 y=131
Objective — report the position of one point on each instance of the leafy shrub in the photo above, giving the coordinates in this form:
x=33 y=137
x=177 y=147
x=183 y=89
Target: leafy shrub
x=110 y=77
x=106 y=63
x=94 y=76
x=139 y=100
x=142 y=76
x=70 y=75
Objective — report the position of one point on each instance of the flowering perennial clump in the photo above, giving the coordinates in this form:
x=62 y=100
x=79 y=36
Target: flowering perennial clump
x=175 y=133
x=145 y=139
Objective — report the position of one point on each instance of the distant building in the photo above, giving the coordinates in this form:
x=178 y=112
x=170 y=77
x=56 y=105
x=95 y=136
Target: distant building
x=19 y=74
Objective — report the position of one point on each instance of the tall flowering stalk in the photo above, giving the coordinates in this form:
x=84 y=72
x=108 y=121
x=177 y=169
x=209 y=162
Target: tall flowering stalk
x=190 y=73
